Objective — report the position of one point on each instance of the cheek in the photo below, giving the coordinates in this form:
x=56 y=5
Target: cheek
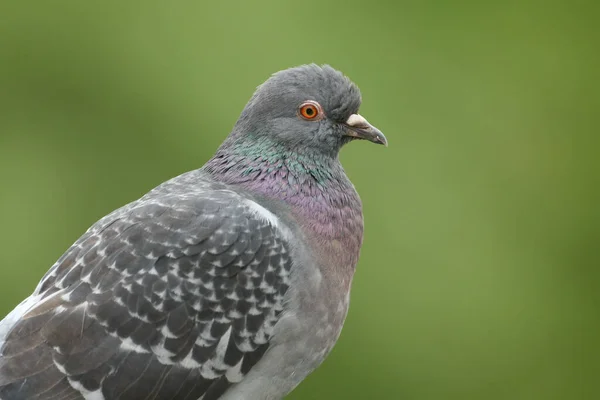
x=330 y=135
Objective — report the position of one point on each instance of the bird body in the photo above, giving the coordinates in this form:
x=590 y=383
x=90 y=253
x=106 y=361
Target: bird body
x=228 y=282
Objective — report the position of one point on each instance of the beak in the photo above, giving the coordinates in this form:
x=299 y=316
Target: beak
x=358 y=127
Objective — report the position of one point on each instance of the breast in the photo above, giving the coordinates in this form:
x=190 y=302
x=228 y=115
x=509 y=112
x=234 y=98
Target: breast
x=315 y=308
x=319 y=294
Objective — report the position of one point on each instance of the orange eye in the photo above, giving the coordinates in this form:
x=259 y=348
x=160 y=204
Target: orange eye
x=310 y=110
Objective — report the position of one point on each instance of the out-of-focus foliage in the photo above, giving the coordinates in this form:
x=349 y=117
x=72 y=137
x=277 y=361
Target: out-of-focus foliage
x=479 y=273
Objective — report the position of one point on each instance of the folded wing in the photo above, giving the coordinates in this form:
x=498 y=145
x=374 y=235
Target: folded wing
x=169 y=298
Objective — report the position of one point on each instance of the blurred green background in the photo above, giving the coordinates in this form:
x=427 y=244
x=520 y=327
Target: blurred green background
x=479 y=273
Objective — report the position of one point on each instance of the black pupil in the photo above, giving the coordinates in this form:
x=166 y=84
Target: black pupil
x=309 y=111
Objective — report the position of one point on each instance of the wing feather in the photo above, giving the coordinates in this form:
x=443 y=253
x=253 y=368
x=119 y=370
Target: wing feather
x=172 y=297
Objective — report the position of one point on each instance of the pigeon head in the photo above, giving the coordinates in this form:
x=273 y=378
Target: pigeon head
x=285 y=144
x=311 y=110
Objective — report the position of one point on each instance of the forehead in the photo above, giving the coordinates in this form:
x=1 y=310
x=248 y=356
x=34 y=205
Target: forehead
x=338 y=96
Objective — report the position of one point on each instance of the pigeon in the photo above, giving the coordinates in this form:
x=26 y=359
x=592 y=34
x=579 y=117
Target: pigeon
x=231 y=281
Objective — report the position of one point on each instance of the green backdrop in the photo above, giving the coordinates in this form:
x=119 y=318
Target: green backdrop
x=479 y=273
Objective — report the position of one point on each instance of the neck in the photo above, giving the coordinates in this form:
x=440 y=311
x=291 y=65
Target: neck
x=315 y=186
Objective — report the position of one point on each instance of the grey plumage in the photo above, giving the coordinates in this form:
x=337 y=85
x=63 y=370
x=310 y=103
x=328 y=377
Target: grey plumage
x=212 y=286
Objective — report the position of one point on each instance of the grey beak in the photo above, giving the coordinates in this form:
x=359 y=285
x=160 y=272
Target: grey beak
x=360 y=128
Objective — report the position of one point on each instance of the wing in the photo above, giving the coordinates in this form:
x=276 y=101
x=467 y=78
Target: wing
x=172 y=297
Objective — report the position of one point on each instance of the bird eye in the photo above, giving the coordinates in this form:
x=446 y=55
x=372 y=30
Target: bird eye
x=311 y=110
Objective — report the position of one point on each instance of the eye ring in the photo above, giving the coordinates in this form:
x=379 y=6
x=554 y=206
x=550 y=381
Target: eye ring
x=310 y=110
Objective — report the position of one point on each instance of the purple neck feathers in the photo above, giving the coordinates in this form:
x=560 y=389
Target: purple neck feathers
x=318 y=192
